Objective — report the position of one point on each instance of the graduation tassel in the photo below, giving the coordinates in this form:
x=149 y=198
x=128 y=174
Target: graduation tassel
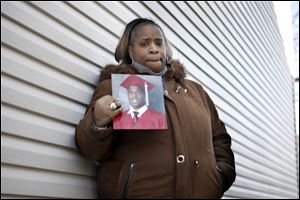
x=146 y=93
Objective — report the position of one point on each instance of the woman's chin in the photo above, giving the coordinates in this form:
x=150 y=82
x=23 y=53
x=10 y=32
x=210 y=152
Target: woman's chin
x=155 y=66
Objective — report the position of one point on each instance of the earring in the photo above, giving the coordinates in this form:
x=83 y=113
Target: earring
x=167 y=60
x=132 y=62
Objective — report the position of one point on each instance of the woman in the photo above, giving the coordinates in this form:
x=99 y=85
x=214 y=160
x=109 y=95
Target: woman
x=190 y=159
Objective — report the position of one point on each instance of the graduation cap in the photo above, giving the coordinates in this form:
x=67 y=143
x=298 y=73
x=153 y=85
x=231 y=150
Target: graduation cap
x=134 y=80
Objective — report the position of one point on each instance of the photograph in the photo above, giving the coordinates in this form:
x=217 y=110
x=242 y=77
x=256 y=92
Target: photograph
x=142 y=101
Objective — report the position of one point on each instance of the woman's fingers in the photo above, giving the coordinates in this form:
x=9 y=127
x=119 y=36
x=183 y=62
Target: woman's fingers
x=106 y=108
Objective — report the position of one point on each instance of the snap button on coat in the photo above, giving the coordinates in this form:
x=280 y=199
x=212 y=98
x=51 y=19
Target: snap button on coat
x=180 y=159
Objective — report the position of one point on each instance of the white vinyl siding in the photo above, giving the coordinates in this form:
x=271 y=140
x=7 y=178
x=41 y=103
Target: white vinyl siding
x=52 y=54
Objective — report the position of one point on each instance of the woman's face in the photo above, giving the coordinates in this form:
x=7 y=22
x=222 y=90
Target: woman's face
x=148 y=47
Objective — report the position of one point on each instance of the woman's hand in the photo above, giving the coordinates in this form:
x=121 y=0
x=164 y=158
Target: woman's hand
x=104 y=112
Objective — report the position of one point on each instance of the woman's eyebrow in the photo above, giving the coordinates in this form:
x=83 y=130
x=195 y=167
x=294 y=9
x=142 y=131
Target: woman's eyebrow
x=147 y=39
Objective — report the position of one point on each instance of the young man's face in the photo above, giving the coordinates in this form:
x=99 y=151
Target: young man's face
x=136 y=96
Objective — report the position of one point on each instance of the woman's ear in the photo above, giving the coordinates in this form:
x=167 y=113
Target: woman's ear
x=130 y=51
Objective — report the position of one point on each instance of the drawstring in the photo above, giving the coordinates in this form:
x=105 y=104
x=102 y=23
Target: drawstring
x=164 y=86
x=177 y=90
x=177 y=86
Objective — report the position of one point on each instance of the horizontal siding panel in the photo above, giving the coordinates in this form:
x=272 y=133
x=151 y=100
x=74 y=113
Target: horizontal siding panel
x=259 y=154
x=259 y=167
x=119 y=11
x=243 y=39
x=266 y=189
x=33 y=182
x=261 y=45
x=260 y=20
x=252 y=66
x=36 y=100
x=96 y=13
x=241 y=193
x=34 y=126
x=268 y=17
x=30 y=153
x=75 y=25
x=44 y=51
x=43 y=76
x=265 y=30
x=252 y=63
x=12 y=196
x=254 y=131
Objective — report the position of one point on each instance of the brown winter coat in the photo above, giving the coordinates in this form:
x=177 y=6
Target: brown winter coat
x=191 y=159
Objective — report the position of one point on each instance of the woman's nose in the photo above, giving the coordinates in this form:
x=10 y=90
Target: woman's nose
x=153 y=48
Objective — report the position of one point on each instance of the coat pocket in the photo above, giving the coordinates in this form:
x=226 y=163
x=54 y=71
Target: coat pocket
x=114 y=179
x=111 y=176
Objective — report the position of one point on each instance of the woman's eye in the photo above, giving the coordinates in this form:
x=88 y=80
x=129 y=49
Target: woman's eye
x=143 y=44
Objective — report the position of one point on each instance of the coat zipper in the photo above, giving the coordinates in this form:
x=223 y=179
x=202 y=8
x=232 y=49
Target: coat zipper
x=128 y=180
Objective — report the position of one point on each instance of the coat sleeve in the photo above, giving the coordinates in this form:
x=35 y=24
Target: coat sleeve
x=222 y=147
x=93 y=142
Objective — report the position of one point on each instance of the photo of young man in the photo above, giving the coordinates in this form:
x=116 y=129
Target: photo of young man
x=139 y=115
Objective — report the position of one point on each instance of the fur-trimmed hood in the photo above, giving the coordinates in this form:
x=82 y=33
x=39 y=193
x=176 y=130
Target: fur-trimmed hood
x=176 y=71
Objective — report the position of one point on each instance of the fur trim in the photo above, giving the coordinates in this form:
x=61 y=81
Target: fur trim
x=176 y=71
x=116 y=69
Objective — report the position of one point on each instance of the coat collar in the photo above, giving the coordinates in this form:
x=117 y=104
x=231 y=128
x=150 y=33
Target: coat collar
x=175 y=71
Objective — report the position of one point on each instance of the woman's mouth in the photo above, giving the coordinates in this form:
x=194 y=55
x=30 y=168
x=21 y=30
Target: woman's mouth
x=154 y=60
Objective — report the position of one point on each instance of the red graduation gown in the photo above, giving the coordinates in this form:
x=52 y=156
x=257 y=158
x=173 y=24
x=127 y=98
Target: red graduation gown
x=150 y=119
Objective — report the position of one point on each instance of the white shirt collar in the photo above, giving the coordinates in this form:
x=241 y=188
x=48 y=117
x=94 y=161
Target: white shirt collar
x=141 y=111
